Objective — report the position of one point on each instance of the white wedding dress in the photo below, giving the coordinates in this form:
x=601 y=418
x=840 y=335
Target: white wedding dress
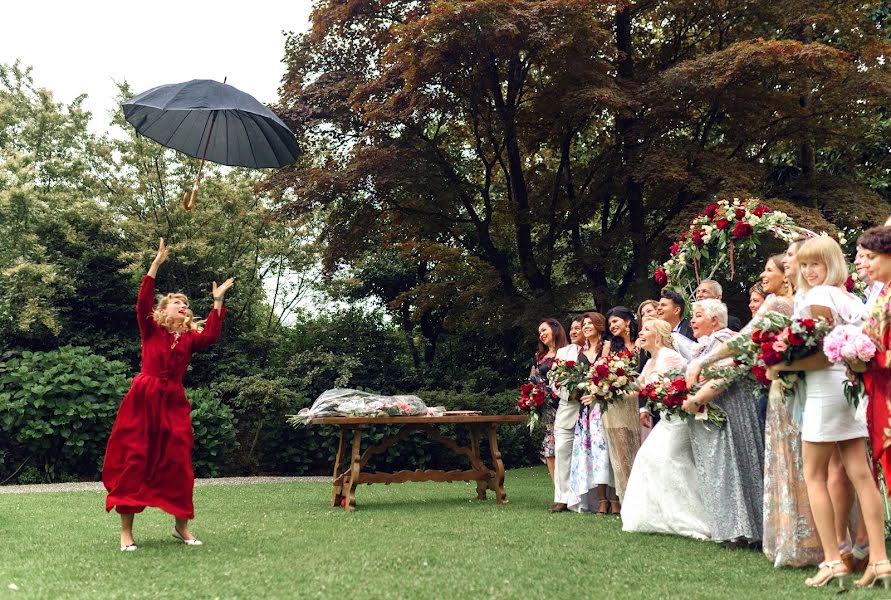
x=663 y=491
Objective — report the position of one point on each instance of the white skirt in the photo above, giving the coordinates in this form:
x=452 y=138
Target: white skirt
x=827 y=415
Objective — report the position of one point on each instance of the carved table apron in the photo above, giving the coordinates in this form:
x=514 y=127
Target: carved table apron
x=348 y=473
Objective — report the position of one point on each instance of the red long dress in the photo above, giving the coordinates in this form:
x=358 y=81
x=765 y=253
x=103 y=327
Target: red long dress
x=877 y=380
x=148 y=459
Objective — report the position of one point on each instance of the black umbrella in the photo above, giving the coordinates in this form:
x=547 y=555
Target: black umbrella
x=214 y=121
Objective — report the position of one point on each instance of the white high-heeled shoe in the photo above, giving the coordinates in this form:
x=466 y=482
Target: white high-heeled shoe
x=191 y=542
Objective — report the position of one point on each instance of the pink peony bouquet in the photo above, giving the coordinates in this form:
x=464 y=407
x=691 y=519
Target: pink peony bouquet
x=848 y=345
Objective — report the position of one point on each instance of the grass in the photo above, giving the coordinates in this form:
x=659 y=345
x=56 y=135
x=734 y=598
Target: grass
x=406 y=541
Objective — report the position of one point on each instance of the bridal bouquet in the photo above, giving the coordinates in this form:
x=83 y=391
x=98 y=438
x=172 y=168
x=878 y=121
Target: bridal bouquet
x=570 y=375
x=800 y=339
x=611 y=377
x=848 y=344
x=668 y=394
x=533 y=398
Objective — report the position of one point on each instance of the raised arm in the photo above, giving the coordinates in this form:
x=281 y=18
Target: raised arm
x=145 y=301
x=214 y=325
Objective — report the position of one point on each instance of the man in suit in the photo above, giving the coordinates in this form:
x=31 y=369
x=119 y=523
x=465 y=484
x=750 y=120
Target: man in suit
x=711 y=289
x=671 y=309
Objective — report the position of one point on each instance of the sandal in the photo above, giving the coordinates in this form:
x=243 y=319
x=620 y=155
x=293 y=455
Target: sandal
x=833 y=569
x=615 y=507
x=603 y=507
x=872 y=575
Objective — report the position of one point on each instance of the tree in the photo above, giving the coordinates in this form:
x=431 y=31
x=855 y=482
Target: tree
x=534 y=155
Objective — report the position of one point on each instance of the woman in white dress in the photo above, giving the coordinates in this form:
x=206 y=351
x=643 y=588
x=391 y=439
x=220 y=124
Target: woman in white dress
x=828 y=421
x=663 y=491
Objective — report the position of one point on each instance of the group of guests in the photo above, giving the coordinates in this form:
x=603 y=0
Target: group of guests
x=790 y=474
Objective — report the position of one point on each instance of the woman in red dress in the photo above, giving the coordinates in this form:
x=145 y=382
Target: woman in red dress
x=148 y=460
x=876 y=247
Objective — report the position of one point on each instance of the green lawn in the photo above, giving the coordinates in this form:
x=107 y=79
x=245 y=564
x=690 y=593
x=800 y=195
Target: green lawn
x=406 y=541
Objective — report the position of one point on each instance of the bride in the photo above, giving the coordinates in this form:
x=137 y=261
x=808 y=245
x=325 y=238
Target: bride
x=663 y=492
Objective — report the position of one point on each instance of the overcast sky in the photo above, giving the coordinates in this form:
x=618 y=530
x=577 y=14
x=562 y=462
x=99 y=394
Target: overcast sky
x=84 y=47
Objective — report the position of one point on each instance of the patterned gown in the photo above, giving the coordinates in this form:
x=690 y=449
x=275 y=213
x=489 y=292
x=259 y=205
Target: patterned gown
x=730 y=460
x=589 y=466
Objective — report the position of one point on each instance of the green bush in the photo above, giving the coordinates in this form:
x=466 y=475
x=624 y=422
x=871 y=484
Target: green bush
x=213 y=426
x=57 y=409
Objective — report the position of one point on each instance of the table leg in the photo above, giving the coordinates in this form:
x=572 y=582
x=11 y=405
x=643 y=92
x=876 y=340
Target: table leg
x=338 y=486
x=350 y=483
x=475 y=448
x=496 y=483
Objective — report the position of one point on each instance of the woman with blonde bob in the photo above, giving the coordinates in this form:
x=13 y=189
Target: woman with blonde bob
x=148 y=460
x=828 y=421
x=663 y=491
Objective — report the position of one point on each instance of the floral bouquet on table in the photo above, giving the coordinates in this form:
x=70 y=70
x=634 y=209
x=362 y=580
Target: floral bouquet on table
x=533 y=399
x=800 y=339
x=571 y=376
x=611 y=377
x=848 y=344
x=667 y=395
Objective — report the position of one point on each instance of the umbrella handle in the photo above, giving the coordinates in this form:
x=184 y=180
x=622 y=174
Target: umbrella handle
x=189 y=199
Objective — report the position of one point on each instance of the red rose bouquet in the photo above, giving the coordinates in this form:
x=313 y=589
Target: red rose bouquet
x=799 y=339
x=611 y=377
x=533 y=398
x=667 y=396
x=570 y=375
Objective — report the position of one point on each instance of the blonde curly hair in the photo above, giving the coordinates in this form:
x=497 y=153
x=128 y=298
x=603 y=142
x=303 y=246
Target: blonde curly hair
x=161 y=303
x=662 y=329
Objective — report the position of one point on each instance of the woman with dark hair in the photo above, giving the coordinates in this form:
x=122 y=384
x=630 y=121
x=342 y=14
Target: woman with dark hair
x=621 y=332
x=621 y=423
x=551 y=337
x=589 y=472
x=876 y=245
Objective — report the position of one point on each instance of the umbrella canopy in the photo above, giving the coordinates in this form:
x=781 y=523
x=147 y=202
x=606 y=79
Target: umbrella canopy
x=241 y=130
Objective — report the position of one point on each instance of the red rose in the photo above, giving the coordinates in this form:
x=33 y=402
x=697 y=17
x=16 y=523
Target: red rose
x=849 y=283
x=795 y=340
x=570 y=363
x=620 y=371
x=711 y=210
x=697 y=238
x=756 y=336
x=602 y=370
x=685 y=235
x=760 y=211
x=740 y=213
x=760 y=373
x=722 y=224
x=675 y=249
x=661 y=277
x=527 y=388
x=678 y=385
x=742 y=230
x=808 y=323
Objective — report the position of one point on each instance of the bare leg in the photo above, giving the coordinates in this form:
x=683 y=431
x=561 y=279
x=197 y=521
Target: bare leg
x=853 y=454
x=815 y=460
x=550 y=462
x=182 y=526
x=127 y=529
x=842 y=494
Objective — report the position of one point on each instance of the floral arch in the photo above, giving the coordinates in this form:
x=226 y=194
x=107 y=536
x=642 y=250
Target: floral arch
x=725 y=230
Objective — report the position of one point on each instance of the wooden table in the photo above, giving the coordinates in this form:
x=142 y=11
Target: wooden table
x=348 y=474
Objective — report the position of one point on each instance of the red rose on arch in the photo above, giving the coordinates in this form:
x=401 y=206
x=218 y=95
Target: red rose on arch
x=697 y=239
x=761 y=210
x=711 y=210
x=675 y=249
x=742 y=230
x=722 y=224
x=740 y=213
x=661 y=277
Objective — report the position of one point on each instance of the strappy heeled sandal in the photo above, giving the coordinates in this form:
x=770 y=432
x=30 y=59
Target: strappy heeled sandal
x=872 y=575
x=837 y=571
